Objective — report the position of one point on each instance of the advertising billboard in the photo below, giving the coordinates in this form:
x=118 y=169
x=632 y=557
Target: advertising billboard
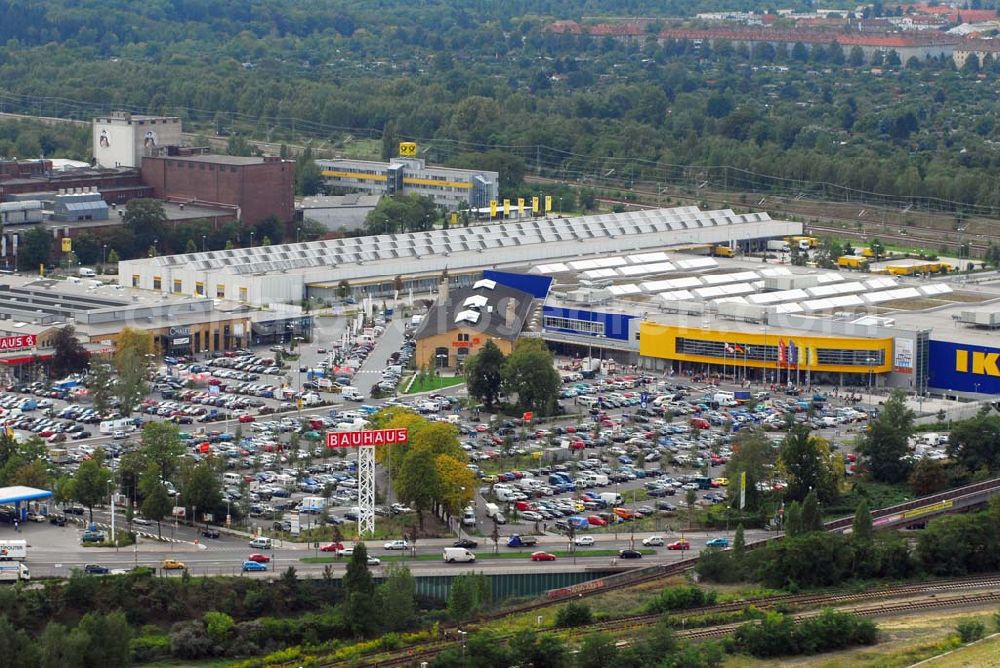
x=354 y=439
x=17 y=342
x=959 y=367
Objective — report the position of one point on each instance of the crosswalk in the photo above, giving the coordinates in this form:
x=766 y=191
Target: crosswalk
x=139 y=532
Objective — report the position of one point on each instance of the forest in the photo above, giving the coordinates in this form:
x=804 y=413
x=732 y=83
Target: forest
x=472 y=77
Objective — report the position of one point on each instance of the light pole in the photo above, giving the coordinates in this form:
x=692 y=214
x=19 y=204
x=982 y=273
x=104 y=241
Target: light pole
x=203 y=240
x=298 y=230
x=463 y=634
x=111 y=495
x=155 y=249
x=871 y=372
x=104 y=254
x=251 y=240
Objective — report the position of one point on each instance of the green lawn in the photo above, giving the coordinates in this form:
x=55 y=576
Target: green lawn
x=505 y=553
x=430 y=383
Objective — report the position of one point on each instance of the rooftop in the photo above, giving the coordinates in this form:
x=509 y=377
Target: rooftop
x=237 y=160
x=482 y=308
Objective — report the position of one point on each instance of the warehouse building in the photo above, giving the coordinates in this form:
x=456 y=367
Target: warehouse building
x=123 y=139
x=448 y=187
x=381 y=265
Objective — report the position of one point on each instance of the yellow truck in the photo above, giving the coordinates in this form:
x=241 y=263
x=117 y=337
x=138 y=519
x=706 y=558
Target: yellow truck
x=722 y=251
x=852 y=262
x=803 y=243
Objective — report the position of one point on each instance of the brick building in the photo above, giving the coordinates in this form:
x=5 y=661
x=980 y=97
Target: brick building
x=257 y=187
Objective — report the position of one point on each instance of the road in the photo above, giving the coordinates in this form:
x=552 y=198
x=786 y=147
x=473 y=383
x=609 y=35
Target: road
x=55 y=552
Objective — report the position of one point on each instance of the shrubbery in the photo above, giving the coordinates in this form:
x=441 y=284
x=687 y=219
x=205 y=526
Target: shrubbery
x=779 y=635
x=574 y=614
x=681 y=598
x=970 y=630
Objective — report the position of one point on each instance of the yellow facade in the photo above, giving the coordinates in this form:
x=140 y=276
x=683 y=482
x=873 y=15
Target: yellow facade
x=661 y=341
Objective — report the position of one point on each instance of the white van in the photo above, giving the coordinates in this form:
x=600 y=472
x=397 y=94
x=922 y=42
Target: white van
x=261 y=543
x=231 y=478
x=87 y=272
x=454 y=555
x=725 y=398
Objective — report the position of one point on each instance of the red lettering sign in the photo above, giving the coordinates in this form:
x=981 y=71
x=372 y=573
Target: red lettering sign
x=17 y=342
x=354 y=439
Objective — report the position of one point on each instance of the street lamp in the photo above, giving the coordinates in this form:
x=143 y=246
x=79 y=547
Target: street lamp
x=298 y=230
x=203 y=238
x=104 y=254
x=251 y=240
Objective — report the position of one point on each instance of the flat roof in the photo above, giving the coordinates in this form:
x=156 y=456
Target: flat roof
x=216 y=159
x=22 y=493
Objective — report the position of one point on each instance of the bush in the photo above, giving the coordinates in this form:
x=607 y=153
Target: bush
x=149 y=648
x=574 y=614
x=188 y=641
x=778 y=635
x=681 y=598
x=970 y=630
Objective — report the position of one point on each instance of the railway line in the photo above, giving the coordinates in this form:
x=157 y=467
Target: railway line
x=928 y=591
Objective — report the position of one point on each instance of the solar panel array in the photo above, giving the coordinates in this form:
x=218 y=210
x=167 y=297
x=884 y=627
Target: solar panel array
x=482 y=238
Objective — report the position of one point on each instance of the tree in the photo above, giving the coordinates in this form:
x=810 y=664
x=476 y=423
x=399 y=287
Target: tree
x=929 y=476
x=483 y=373
x=975 y=443
x=308 y=179
x=468 y=595
x=69 y=355
x=752 y=453
x=132 y=354
x=739 y=541
x=147 y=220
x=162 y=447
x=361 y=611
x=101 y=384
x=861 y=527
x=90 y=484
x=530 y=374
x=793 y=519
x=806 y=460
x=456 y=483
x=35 y=249
x=156 y=503
x=885 y=446
x=202 y=488
x=417 y=483
x=397 y=598
x=812 y=519
x=390 y=140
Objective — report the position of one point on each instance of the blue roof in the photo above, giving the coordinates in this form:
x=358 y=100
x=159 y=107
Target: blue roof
x=22 y=493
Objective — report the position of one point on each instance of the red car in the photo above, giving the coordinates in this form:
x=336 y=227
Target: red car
x=332 y=547
x=247 y=418
x=543 y=556
x=596 y=521
x=679 y=545
x=259 y=558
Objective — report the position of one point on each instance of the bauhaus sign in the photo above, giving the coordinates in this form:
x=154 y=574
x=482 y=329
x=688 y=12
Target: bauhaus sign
x=17 y=342
x=355 y=439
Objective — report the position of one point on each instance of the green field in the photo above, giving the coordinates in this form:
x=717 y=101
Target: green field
x=431 y=383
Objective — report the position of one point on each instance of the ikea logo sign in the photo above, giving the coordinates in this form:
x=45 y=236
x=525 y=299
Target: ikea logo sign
x=955 y=367
x=977 y=362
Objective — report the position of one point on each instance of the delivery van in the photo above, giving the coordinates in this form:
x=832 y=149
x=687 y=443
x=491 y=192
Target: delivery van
x=454 y=555
x=261 y=543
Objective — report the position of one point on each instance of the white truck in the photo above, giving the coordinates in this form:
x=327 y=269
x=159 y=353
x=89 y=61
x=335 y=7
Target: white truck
x=778 y=245
x=14 y=573
x=13 y=550
x=350 y=393
x=611 y=498
x=492 y=509
x=111 y=426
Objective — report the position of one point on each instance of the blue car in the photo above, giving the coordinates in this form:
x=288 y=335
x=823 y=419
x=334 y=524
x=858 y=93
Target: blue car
x=253 y=566
x=721 y=541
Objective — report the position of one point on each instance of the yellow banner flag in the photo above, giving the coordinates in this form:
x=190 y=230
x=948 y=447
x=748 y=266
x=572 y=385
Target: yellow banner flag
x=506 y=208
x=454 y=219
x=67 y=245
x=548 y=203
x=493 y=208
x=520 y=205
x=534 y=205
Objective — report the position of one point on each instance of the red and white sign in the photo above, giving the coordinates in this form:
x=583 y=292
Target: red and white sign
x=17 y=342
x=354 y=439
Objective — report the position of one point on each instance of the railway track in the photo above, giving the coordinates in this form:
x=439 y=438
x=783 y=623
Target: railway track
x=414 y=655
